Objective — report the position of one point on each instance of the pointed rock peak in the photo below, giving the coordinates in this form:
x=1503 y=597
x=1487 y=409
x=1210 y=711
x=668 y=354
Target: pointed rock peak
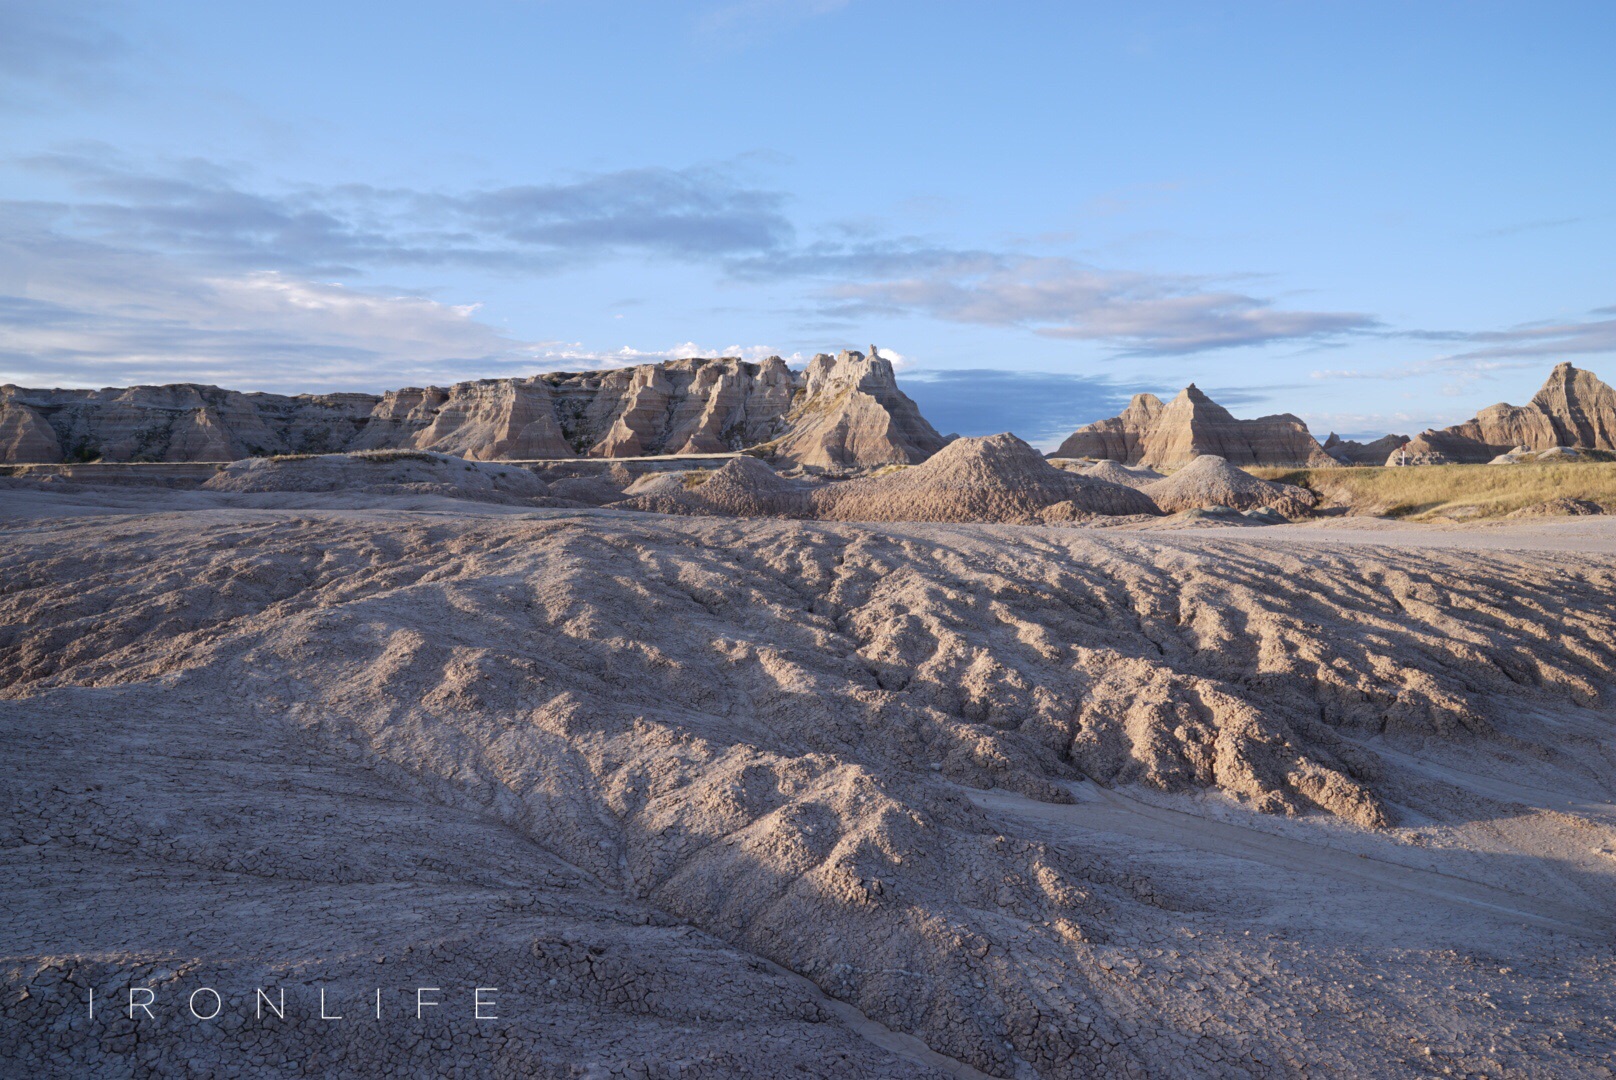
x=1195 y=400
x=1566 y=381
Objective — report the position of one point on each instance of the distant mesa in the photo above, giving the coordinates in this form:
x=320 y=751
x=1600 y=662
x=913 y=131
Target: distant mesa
x=1573 y=409
x=1351 y=452
x=844 y=413
x=1168 y=436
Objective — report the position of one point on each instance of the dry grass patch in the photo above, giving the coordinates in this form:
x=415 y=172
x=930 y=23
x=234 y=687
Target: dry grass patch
x=1461 y=492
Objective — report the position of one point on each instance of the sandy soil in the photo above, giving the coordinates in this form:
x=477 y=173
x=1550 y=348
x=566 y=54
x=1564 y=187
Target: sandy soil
x=707 y=797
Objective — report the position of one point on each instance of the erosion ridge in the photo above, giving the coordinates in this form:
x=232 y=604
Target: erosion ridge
x=758 y=729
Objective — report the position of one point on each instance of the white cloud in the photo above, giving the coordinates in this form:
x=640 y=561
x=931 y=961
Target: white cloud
x=1139 y=313
x=88 y=314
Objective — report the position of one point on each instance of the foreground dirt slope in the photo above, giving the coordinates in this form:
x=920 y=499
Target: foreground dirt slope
x=874 y=757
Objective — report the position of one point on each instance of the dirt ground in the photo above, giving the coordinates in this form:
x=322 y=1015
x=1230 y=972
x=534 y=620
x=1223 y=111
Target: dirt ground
x=697 y=797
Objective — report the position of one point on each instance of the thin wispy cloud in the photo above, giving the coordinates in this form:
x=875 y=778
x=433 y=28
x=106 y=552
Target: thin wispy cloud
x=199 y=209
x=1139 y=314
x=1484 y=352
x=54 y=49
x=1574 y=337
x=91 y=313
x=741 y=23
x=1527 y=227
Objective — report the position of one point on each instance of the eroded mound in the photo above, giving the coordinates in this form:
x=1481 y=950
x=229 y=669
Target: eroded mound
x=1113 y=472
x=382 y=472
x=743 y=487
x=1209 y=481
x=997 y=479
x=585 y=490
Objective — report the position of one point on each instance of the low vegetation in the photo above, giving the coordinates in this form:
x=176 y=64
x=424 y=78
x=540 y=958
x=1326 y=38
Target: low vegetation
x=1454 y=492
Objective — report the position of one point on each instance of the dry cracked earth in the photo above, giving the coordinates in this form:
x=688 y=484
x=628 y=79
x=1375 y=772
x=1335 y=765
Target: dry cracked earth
x=712 y=798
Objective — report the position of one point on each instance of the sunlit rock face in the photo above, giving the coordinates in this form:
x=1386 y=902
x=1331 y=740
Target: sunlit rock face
x=1574 y=408
x=1192 y=424
x=851 y=414
x=842 y=413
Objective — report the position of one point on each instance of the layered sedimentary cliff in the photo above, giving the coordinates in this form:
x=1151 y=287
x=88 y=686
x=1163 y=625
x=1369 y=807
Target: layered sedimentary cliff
x=1574 y=408
x=843 y=412
x=1192 y=424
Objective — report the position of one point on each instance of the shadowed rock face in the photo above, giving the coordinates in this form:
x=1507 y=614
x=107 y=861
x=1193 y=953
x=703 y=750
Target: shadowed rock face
x=25 y=437
x=1121 y=438
x=1167 y=436
x=1574 y=408
x=842 y=413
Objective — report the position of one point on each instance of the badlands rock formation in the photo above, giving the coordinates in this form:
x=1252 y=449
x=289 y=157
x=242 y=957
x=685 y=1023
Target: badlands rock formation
x=1574 y=409
x=844 y=412
x=1167 y=436
x=851 y=414
x=1210 y=481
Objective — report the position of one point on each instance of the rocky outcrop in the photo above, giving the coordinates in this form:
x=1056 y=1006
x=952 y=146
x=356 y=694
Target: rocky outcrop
x=1352 y=452
x=846 y=413
x=487 y=420
x=1192 y=424
x=851 y=414
x=1574 y=408
x=186 y=422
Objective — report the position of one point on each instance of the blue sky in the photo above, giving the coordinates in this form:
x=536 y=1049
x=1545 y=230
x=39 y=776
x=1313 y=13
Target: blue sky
x=1379 y=216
